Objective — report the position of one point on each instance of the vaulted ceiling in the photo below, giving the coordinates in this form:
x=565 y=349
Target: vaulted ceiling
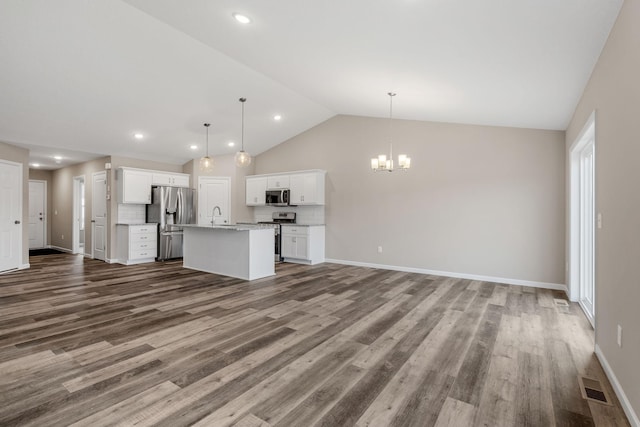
x=80 y=78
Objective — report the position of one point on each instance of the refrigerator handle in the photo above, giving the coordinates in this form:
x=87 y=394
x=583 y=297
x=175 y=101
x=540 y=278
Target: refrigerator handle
x=179 y=208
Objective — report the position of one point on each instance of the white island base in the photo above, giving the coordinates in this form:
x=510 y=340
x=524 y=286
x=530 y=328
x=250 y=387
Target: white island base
x=244 y=252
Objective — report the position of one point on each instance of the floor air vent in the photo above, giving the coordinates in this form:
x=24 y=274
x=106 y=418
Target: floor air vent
x=592 y=390
x=561 y=302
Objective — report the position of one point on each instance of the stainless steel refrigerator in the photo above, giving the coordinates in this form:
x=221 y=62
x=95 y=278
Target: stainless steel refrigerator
x=170 y=207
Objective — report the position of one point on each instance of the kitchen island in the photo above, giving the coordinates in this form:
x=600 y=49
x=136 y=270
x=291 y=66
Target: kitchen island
x=241 y=251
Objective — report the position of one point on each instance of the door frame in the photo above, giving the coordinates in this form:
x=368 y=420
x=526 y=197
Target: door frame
x=75 y=246
x=586 y=135
x=20 y=264
x=45 y=243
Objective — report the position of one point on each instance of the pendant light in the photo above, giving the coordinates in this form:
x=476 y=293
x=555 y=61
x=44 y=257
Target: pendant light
x=381 y=163
x=243 y=159
x=206 y=162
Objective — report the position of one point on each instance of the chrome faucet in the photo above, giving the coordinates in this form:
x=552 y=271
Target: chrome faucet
x=213 y=214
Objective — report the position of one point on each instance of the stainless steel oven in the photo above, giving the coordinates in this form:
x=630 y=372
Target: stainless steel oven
x=279 y=218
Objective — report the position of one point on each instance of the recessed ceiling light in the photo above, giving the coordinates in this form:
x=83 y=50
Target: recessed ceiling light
x=57 y=157
x=243 y=19
x=193 y=147
x=231 y=143
x=35 y=165
x=138 y=135
x=277 y=117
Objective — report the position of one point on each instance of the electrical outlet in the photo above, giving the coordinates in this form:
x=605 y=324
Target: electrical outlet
x=379 y=249
x=599 y=220
x=62 y=236
x=619 y=336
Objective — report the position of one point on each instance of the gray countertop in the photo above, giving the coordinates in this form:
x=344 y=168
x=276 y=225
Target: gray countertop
x=232 y=227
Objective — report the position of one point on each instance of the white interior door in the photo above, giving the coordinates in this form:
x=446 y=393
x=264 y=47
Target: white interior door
x=213 y=192
x=37 y=213
x=587 y=230
x=99 y=215
x=582 y=224
x=10 y=215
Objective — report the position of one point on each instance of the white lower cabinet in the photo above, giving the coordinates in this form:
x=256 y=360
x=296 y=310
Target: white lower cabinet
x=137 y=243
x=303 y=243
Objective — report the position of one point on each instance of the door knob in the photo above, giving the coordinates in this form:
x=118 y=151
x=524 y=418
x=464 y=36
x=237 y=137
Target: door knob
x=16 y=222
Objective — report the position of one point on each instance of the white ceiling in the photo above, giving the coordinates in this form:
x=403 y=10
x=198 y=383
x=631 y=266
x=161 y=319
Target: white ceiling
x=78 y=78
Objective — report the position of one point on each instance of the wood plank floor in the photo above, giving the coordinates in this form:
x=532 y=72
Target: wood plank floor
x=86 y=343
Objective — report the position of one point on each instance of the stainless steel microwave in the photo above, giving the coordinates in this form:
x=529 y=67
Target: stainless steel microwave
x=277 y=198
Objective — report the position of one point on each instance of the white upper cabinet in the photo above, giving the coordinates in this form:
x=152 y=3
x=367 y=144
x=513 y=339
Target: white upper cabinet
x=256 y=188
x=171 y=179
x=307 y=188
x=134 y=186
x=277 y=182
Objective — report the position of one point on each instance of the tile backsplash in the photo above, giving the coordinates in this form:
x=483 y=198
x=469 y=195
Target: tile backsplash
x=132 y=214
x=304 y=214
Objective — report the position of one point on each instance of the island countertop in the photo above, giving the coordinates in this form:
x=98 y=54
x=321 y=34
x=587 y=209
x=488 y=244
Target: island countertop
x=236 y=250
x=233 y=227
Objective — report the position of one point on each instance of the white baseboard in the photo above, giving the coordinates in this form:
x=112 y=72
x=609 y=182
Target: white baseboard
x=13 y=270
x=622 y=397
x=518 y=282
x=58 y=248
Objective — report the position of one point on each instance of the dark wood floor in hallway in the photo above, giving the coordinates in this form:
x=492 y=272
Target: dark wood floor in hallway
x=88 y=343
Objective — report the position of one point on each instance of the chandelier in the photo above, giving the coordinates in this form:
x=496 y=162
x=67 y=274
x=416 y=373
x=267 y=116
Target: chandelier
x=384 y=164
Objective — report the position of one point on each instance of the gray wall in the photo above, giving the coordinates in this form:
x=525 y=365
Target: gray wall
x=614 y=93
x=20 y=155
x=61 y=214
x=478 y=200
x=62 y=195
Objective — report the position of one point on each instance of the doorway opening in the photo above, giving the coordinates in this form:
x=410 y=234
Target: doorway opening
x=78 y=215
x=582 y=220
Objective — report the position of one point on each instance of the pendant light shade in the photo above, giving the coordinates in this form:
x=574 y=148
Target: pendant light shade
x=243 y=159
x=384 y=164
x=206 y=162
